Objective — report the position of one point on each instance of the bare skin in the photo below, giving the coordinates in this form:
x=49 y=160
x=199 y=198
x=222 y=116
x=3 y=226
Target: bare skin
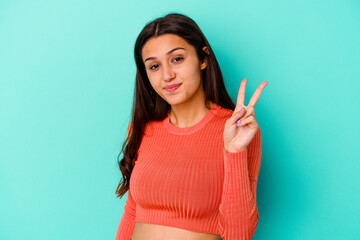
x=145 y=231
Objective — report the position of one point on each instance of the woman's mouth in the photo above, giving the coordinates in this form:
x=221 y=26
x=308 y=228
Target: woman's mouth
x=173 y=87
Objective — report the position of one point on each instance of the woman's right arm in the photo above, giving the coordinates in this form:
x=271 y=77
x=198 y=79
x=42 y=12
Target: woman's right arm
x=127 y=223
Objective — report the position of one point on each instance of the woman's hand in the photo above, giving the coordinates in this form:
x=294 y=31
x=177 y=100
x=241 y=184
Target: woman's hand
x=237 y=137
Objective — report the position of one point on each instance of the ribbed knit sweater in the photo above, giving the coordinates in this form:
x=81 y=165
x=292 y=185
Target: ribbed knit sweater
x=184 y=178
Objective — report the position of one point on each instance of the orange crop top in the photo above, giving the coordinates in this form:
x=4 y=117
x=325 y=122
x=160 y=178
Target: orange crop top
x=184 y=178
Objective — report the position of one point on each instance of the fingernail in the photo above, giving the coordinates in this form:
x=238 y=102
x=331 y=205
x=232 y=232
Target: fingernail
x=238 y=122
x=241 y=110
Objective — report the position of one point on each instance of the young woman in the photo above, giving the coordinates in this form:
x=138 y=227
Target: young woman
x=192 y=156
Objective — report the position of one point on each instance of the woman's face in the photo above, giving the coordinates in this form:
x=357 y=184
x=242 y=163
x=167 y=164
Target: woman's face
x=170 y=60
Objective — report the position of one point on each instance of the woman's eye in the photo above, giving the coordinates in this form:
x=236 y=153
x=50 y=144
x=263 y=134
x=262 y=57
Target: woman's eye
x=180 y=58
x=151 y=67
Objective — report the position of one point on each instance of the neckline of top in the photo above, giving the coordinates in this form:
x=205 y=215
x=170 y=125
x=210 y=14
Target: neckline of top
x=188 y=130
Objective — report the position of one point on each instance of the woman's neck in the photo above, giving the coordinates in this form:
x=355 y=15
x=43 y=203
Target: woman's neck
x=187 y=115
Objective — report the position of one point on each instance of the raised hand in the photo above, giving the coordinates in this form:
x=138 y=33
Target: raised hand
x=242 y=126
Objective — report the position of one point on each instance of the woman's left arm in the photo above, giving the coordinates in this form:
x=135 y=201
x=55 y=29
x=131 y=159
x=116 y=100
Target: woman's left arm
x=238 y=216
x=238 y=213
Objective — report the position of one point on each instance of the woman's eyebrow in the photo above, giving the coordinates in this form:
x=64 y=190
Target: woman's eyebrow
x=169 y=52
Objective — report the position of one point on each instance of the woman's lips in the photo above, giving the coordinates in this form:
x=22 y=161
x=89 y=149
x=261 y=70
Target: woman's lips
x=173 y=87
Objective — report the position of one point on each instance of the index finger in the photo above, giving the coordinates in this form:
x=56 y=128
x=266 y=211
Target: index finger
x=255 y=97
x=240 y=102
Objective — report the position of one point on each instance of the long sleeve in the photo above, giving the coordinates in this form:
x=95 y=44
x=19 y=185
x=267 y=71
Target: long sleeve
x=127 y=223
x=238 y=211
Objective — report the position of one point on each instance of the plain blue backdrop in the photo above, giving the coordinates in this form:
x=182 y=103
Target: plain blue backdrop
x=67 y=74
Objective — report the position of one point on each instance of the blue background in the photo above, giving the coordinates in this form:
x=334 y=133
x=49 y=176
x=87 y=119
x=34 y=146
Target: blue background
x=67 y=76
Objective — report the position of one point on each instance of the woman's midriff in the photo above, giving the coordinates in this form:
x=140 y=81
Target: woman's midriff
x=146 y=231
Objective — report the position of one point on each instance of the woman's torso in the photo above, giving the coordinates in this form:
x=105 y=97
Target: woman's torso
x=189 y=179
x=145 y=231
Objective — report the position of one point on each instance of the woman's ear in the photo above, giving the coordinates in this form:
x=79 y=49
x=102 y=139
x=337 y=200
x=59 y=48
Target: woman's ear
x=204 y=63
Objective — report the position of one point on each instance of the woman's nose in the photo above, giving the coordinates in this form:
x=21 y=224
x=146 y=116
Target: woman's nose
x=168 y=73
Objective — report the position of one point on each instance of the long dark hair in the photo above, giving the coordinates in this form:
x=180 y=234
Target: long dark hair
x=147 y=104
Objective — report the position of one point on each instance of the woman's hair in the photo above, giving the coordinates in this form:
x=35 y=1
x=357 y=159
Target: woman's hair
x=147 y=104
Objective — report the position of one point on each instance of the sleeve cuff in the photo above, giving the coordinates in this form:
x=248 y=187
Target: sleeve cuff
x=237 y=160
x=235 y=156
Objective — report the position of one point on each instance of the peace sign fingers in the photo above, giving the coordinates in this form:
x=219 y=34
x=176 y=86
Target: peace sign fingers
x=255 y=97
